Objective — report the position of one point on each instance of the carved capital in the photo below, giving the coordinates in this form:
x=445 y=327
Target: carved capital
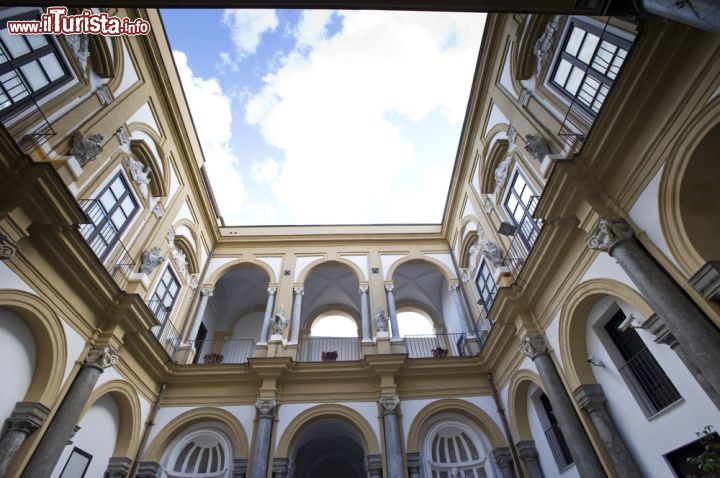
x=208 y=291
x=503 y=456
x=590 y=397
x=300 y=290
x=608 y=232
x=533 y=345
x=272 y=290
x=389 y=287
x=453 y=287
x=363 y=289
x=389 y=404
x=118 y=467
x=102 y=356
x=7 y=248
x=266 y=408
x=527 y=450
x=27 y=417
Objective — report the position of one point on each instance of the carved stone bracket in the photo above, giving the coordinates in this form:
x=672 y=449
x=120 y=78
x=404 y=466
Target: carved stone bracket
x=159 y=211
x=123 y=134
x=527 y=450
x=151 y=259
x=7 y=248
x=104 y=95
x=102 y=357
x=502 y=456
x=493 y=253
x=537 y=146
x=533 y=345
x=608 y=231
x=389 y=404
x=86 y=148
x=266 y=408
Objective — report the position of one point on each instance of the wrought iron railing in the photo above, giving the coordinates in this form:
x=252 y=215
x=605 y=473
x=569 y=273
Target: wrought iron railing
x=523 y=240
x=104 y=239
x=222 y=351
x=558 y=446
x=441 y=345
x=649 y=383
x=329 y=349
x=165 y=332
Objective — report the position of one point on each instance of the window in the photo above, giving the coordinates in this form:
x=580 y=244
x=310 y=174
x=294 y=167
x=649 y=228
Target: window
x=110 y=215
x=486 y=286
x=453 y=449
x=554 y=435
x=30 y=66
x=588 y=64
x=678 y=459
x=204 y=453
x=166 y=292
x=77 y=464
x=646 y=379
x=520 y=204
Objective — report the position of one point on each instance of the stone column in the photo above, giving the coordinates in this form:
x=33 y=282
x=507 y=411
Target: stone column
x=205 y=294
x=392 y=312
x=414 y=465
x=24 y=420
x=373 y=466
x=393 y=446
x=504 y=461
x=62 y=426
x=297 y=308
x=581 y=449
x=529 y=455
x=365 y=313
x=118 y=467
x=591 y=399
x=697 y=335
x=266 y=410
x=268 y=315
x=454 y=290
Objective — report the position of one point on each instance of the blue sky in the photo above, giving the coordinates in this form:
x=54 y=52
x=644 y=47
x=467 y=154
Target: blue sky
x=327 y=117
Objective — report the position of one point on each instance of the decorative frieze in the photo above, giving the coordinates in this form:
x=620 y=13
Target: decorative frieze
x=608 y=231
x=102 y=357
x=151 y=259
x=86 y=148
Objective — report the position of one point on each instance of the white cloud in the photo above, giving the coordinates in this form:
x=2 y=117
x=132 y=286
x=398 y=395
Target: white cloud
x=247 y=27
x=213 y=119
x=331 y=107
x=264 y=172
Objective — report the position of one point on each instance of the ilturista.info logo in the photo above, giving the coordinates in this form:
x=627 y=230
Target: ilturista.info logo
x=56 y=21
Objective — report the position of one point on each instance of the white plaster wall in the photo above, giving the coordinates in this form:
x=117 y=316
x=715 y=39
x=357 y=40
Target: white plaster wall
x=302 y=263
x=552 y=334
x=649 y=439
x=10 y=280
x=387 y=261
x=184 y=213
x=496 y=117
x=450 y=313
x=17 y=347
x=360 y=260
x=144 y=115
x=446 y=260
x=505 y=76
x=275 y=264
x=249 y=326
x=142 y=135
x=130 y=76
x=97 y=436
x=174 y=183
x=605 y=267
x=217 y=262
x=75 y=344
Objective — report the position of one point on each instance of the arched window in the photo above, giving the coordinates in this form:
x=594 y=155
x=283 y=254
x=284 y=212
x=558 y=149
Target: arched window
x=334 y=324
x=414 y=322
x=201 y=454
x=454 y=450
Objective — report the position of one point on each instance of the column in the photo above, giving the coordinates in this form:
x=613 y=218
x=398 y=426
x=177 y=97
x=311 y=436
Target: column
x=373 y=466
x=24 y=420
x=414 y=465
x=205 y=294
x=268 y=315
x=62 y=426
x=454 y=290
x=392 y=312
x=297 y=308
x=503 y=459
x=591 y=399
x=582 y=451
x=695 y=333
x=263 y=433
x=529 y=455
x=393 y=447
x=365 y=313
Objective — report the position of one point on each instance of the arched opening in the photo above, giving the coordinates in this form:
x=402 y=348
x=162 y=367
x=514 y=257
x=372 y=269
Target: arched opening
x=204 y=453
x=334 y=324
x=328 y=448
x=17 y=346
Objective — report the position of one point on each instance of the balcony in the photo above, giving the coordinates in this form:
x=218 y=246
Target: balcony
x=165 y=332
x=228 y=351
x=329 y=349
x=526 y=233
x=441 y=345
x=104 y=239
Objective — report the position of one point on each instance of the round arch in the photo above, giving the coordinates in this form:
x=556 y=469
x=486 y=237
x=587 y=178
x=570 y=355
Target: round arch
x=177 y=426
x=130 y=420
x=476 y=415
x=327 y=311
x=518 y=391
x=321 y=412
x=303 y=275
x=685 y=184
x=222 y=270
x=573 y=317
x=442 y=268
x=50 y=340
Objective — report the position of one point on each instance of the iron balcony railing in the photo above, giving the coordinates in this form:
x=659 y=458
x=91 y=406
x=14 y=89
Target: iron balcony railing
x=648 y=382
x=523 y=240
x=558 y=446
x=228 y=351
x=165 y=332
x=104 y=239
x=329 y=349
x=441 y=345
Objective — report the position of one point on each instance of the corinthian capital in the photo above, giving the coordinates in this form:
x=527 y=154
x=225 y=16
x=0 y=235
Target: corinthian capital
x=533 y=345
x=266 y=408
x=608 y=231
x=389 y=404
x=389 y=287
x=102 y=356
x=299 y=290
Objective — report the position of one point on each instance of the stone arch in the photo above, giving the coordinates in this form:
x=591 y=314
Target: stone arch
x=441 y=268
x=474 y=414
x=518 y=392
x=497 y=151
x=50 y=340
x=319 y=412
x=303 y=275
x=405 y=306
x=179 y=424
x=688 y=195
x=217 y=274
x=573 y=318
x=128 y=405
x=318 y=313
